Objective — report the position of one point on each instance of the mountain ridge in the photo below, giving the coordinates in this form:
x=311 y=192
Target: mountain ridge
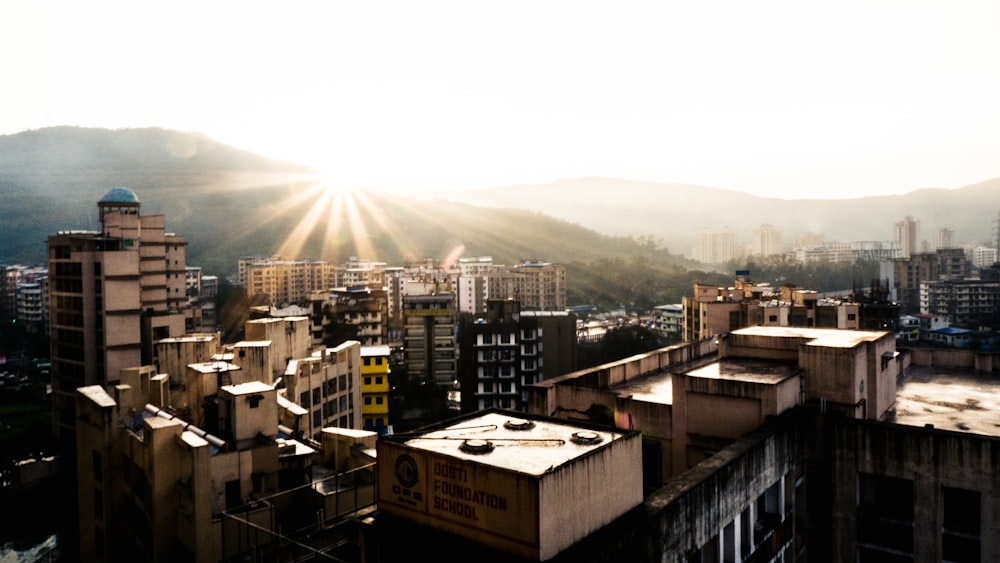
x=229 y=202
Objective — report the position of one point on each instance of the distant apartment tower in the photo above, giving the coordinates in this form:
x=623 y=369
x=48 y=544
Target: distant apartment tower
x=285 y=281
x=429 y=332
x=358 y=313
x=112 y=294
x=542 y=287
x=507 y=349
x=356 y=273
x=945 y=238
x=668 y=320
x=906 y=274
x=715 y=247
x=968 y=303
x=905 y=233
x=984 y=256
x=766 y=241
x=32 y=302
x=474 y=283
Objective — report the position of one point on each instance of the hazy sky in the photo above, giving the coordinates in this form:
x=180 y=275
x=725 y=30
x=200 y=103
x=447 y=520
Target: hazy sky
x=833 y=99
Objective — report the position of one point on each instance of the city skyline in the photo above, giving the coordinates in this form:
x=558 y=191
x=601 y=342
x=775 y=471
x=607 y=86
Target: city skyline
x=777 y=100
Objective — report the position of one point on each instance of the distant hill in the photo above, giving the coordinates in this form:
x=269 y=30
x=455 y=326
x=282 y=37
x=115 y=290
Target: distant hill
x=229 y=203
x=676 y=213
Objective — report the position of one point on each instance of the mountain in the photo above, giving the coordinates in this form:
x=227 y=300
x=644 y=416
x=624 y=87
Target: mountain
x=230 y=203
x=676 y=213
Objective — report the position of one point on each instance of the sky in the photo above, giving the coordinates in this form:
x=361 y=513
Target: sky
x=781 y=99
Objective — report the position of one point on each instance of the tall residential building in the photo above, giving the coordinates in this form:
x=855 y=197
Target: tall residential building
x=285 y=281
x=715 y=247
x=506 y=349
x=112 y=294
x=543 y=286
x=358 y=273
x=905 y=233
x=945 y=238
x=766 y=241
x=429 y=332
x=984 y=256
x=357 y=313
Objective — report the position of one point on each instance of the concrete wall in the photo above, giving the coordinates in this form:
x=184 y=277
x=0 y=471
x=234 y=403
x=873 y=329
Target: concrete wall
x=931 y=459
x=693 y=509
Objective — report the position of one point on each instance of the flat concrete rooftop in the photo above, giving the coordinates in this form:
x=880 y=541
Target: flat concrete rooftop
x=658 y=387
x=950 y=399
x=528 y=446
x=830 y=337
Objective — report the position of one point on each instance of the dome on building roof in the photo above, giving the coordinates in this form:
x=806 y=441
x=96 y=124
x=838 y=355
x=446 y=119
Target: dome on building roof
x=120 y=195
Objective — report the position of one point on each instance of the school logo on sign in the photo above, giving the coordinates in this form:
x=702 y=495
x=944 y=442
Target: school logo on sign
x=406 y=471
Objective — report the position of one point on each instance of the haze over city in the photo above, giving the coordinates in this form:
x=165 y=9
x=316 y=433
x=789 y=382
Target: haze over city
x=777 y=99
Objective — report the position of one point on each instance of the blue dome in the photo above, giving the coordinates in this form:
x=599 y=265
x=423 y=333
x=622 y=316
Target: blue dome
x=120 y=195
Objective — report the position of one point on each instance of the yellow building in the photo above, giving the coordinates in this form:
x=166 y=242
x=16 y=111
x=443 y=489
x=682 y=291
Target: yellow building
x=375 y=387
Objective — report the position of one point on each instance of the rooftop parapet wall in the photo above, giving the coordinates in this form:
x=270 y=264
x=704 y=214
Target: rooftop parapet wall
x=694 y=507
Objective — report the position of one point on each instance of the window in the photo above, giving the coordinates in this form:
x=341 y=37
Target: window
x=851 y=316
x=98 y=466
x=368 y=361
x=304 y=399
x=98 y=504
x=378 y=381
x=317 y=420
x=960 y=532
x=378 y=400
x=368 y=380
x=772 y=318
x=368 y=400
x=885 y=517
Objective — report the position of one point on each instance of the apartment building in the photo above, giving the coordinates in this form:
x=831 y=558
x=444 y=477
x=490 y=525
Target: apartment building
x=284 y=281
x=507 y=349
x=112 y=294
x=375 y=388
x=327 y=385
x=358 y=313
x=715 y=247
x=429 y=338
x=766 y=241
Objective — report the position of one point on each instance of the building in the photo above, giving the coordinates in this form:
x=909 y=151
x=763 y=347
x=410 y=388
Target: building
x=984 y=256
x=906 y=274
x=327 y=385
x=668 y=320
x=505 y=350
x=112 y=294
x=542 y=287
x=283 y=281
x=766 y=241
x=969 y=303
x=945 y=238
x=429 y=340
x=375 y=388
x=357 y=313
x=715 y=247
x=905 y=233
x=530 y=487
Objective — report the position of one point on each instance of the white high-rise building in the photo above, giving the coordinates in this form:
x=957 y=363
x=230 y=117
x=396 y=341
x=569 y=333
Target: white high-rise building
x=766 y=242
x=905 y=232
x=715 y=247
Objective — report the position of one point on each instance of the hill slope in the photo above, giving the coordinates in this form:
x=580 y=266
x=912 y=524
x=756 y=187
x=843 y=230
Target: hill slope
x=229 y=203
x=676 y=213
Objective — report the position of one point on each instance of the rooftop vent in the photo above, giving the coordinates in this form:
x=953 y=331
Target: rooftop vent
x=586 y=438
x=474 y=446
x=518 y=424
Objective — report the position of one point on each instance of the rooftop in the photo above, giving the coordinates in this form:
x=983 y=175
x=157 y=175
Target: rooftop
x=949 y=399
x=500 y=439
x=747 y=370
x=829 y=337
